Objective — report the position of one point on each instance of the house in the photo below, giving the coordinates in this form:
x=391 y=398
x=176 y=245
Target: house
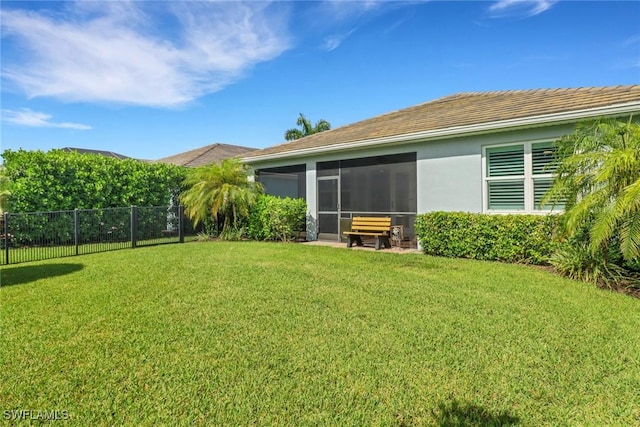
x=95 y=152
x=471 y=152
x=206 y=155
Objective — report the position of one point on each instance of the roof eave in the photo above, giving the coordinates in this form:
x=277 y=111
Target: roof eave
x=502 y=125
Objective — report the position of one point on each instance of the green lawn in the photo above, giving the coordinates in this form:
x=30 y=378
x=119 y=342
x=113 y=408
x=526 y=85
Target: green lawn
x=288 y=334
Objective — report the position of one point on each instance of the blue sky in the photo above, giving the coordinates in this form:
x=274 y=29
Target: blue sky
x=151 y=79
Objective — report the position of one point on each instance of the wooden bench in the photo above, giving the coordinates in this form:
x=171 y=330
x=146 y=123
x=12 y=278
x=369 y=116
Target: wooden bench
x=369 y=226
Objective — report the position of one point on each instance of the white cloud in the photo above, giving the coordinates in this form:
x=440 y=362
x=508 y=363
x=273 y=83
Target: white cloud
x=341 y=10
x=335 y=40
x=526 y=8
x=336 y=18
x=27 y=117
x=632 y=41
x=119 y=52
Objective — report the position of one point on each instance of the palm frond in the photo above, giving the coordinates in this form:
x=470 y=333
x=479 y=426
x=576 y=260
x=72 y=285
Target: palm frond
x=219 y=190
x=598 y=174
x=630 y=229
x=293 y=134
x=307 y=129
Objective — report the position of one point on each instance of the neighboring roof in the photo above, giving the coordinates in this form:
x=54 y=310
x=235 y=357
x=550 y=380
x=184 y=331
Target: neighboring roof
x=96 y=152
x=206 y=155
x=465 y=113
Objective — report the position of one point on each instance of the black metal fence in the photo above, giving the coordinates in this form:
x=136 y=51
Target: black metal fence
x=43 y=235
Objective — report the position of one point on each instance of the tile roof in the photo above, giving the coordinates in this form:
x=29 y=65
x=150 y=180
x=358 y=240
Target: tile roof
x=462 y=109
x=96 y=152
x=206 y=155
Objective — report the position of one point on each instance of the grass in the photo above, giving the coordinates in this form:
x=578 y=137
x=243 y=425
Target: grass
x=285 y=334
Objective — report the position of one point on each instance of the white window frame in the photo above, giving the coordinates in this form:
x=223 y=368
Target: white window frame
x=529 y=202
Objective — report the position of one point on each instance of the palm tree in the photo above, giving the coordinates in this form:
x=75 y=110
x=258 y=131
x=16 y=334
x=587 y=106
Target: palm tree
x=598 y=179
x=307 y=129
x=217 y=190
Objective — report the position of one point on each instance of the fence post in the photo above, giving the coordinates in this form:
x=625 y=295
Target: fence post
x=76 y=229
x=6 y=237
x=181 y=223
x=134 y=226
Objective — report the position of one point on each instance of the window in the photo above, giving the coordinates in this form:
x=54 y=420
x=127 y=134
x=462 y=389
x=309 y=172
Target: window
x=288 y=181
x=516 y=177
x=505 y=178
x=541 y=157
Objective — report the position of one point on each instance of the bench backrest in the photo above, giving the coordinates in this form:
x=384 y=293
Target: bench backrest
x=371 y=224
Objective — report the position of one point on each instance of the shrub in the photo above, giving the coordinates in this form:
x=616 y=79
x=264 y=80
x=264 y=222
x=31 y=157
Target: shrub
x=59 y=180
x=577 y=261
x=576 y=258
x=525 y=239
x=275 y=218
x=233 y=233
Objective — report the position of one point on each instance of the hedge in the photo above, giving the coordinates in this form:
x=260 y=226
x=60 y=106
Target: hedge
x=528 y=239
x=276 y=218
x=59 y=180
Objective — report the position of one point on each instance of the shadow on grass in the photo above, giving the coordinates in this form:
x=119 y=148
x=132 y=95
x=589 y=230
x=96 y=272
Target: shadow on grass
x=29 y=273
x=452 y=413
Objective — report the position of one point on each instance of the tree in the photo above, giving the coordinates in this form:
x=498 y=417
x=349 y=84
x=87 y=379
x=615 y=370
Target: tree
x=307 y=129
x=220 y=190
x=598 y=180
x=5 y=190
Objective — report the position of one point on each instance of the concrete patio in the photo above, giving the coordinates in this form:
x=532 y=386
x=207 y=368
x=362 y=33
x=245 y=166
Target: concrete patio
x=367 y=247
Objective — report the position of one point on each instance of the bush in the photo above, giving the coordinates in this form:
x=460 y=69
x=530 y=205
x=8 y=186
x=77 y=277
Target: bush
x=576 y=258
x=577 y=261
x=525 y=239
x=59 y=180
x=275 y=218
